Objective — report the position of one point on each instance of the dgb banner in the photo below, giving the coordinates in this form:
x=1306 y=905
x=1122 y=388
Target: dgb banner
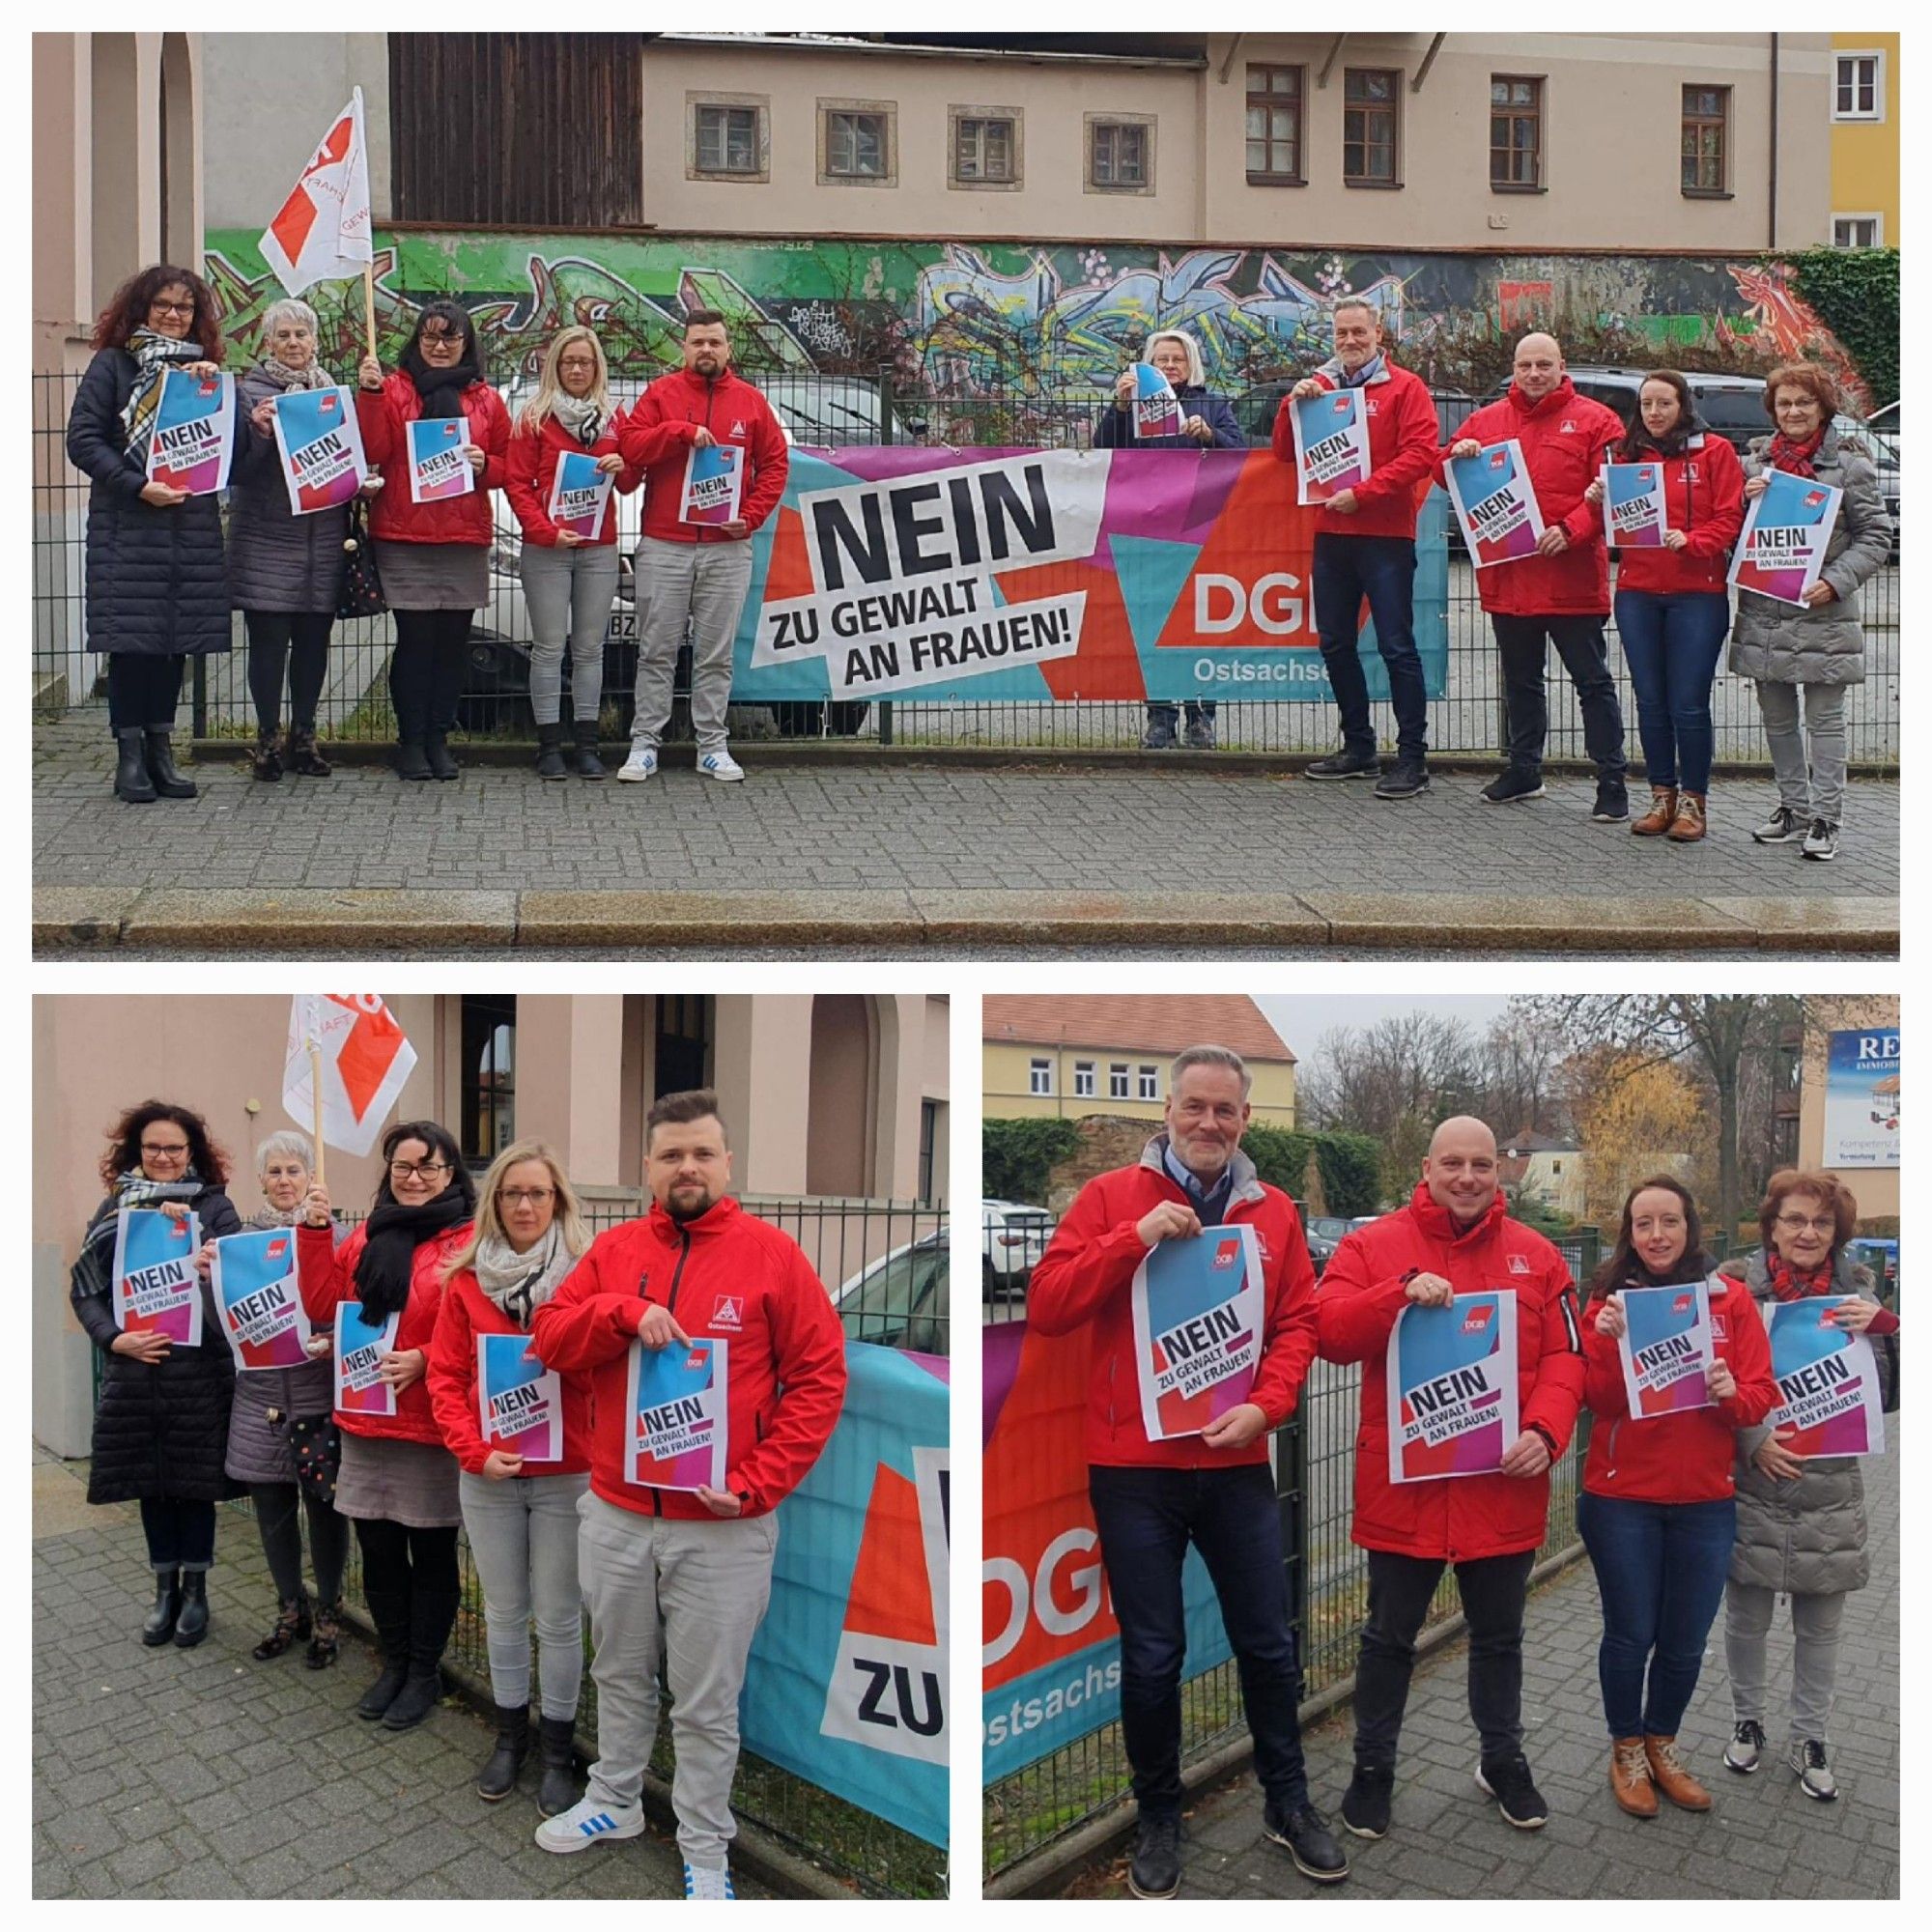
x=1029 y=573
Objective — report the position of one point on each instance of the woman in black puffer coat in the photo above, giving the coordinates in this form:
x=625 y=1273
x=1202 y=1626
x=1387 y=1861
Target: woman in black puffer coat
x=157 y=575
x=161 y=1426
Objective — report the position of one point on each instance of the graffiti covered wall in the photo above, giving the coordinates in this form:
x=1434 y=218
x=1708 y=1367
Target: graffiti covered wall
x=958 y=323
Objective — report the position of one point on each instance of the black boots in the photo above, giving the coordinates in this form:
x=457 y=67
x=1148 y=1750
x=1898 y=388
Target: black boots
x=416 y=1701
x=550 y=752
x=160 y=1624
x=411 y=763
x=588 y=764
x=390 y=1612
x=498 y=1776
x=557 y=1791
x=291 y=1625
x=191 y=1626
x=131 y=782
x=168 y=782
x=436 y=750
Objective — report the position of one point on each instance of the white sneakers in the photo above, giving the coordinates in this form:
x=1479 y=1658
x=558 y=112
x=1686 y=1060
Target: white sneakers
x=591 y=1822
x=641 y=765
x=720 y=764
x=702 y=1882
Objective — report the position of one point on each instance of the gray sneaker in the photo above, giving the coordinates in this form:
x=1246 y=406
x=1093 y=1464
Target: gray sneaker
x=1745 y=1747
x=1814 y=1775
x=1822 y=840
x=1780 y=828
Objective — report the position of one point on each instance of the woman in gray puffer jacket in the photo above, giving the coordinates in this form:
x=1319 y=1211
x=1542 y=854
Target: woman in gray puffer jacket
x=1801 y=1522
x=1822 y=647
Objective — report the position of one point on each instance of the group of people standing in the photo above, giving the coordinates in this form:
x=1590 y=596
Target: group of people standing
x=1679 y=1512
x=673 y=1578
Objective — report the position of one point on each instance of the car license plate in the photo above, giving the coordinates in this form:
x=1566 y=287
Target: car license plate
x=622 y=628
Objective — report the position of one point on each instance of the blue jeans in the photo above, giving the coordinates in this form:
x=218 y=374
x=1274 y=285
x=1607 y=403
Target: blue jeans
x=1661 y=1570
x=1382 y=569
x=1147 y=1518
x=1671 y=645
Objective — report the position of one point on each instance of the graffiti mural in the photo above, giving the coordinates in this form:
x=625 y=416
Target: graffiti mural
x=964 y=324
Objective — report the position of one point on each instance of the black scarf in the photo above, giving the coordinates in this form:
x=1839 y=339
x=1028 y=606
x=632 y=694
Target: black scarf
x=388 y=1259
x=441 y=390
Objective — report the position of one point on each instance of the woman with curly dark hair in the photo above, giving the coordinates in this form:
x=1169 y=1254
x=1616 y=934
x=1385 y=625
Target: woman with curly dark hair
x=156 y=573
x=161 y=1424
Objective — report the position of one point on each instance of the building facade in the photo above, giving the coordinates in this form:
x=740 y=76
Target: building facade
x=1864 y=108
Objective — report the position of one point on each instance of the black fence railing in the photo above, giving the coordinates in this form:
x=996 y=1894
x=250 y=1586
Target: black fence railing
x=824 y=410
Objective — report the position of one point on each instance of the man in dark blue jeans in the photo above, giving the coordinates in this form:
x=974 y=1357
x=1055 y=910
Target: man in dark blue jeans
x=1152 y=1496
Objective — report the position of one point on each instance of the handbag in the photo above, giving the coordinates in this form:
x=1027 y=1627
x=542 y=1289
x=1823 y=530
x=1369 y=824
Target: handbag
x=317 y=1445
x=360 y=593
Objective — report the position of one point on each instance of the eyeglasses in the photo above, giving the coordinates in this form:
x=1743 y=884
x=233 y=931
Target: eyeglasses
x=159 y=307
x=1797 y=1223
x=168 y=1150
x=407 y=1170
x=518 y=1196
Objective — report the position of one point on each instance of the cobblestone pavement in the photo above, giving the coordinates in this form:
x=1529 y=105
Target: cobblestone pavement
x=1764 y=1839
x=201 y=1774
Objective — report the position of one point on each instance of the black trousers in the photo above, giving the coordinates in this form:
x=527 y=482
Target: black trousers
x=300 y=641
x=426 y=671
x=143 y=690
x=410 y=1582
x=1580 y=643
x=279 y=1513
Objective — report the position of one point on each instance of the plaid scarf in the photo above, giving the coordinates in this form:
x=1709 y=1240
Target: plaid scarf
x=93 y=1271
x=153 y=356
x=1794 y=458
x=1789 y=1284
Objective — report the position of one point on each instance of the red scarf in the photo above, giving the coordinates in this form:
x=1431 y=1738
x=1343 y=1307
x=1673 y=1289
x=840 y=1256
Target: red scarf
x=1789 y=1285
x=1795 y=458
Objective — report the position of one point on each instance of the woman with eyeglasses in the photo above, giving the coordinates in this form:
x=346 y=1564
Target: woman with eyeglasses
x=432 y=557
x=1801 y=1522
x=397 y=1481
x=160 y=1422
x=520 y=1515
x=157 y=575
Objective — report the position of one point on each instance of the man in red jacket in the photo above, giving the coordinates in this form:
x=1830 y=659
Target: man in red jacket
x=685 y=1575
x=1561 y=595
x=1365 y=547
x=696 y=572
x=1152 y=1498
x=1452 y=1238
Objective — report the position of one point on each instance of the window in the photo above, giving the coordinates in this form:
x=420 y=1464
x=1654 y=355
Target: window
x=1084 y=1088
x=1275 y=125
x=1859 y=91
x=1707 y=129
x=727 y=137
x=681 y=1044
x=1556 y=1167
x=1515 y=131
x=488 y=1072
x=1117 y=1081
x=1040 y=1076
x=985 y=147
x=1150 y=1086
x=928 y=1141
x=1120 y=154
x=1371 y=121
x=1858 y=231
x=855 y=143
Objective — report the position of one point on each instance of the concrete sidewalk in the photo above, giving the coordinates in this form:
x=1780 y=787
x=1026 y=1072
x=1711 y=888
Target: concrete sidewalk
x=1764 y=1839
x=201 y=1774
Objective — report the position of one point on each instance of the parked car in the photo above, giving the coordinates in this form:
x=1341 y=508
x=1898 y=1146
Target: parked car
x=1325 y=1232
x=1881 y=1257
x=902 y=1300
x=1013 y=1237
x=1257 y=410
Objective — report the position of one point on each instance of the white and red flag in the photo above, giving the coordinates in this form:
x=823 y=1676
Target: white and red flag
x=364 y=1059
x=324 y=231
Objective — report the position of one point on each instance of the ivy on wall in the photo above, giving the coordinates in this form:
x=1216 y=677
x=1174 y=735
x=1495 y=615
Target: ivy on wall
x=1854 y=292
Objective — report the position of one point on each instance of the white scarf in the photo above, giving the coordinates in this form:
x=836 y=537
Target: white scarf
x=521 y=1284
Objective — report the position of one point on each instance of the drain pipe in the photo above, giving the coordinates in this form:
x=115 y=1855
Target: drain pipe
x=1771 y=240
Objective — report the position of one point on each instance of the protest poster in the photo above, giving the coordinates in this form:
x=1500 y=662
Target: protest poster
x=194 y=439
x=1495 y=504
x=253 y=1277
x=319 y=442
x=1862 y=1098
x=1787 y=529
x=1452 y=1388
x=1156 y=408
x=1198 y=1308
x=359 y=1348
x=1634 y=517
x=677 y=1408
x=437 y=467
x=520 y=1403
x=1666 y=1348
x=1828 y=1386
x=155 y=1287
x=1331 y=443
x=578 y=494
x=714 y=484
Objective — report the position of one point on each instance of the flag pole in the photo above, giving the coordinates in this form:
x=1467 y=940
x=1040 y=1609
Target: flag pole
x=315 y=1092
x=368 y=311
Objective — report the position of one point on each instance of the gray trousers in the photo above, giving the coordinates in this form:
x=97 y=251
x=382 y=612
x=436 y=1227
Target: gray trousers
x=1814 y=1654
x=1813 y=787
x=569 y=593
x=695 y=1593
x=706 y=582
x=523 y=1533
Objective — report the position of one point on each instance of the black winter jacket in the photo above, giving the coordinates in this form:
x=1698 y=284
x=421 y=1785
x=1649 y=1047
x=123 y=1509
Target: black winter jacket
x=157 y=580
x=162 y=1429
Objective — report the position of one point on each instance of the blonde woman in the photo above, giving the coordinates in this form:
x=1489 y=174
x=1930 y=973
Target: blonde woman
x=569 y=580
x=520 y=1515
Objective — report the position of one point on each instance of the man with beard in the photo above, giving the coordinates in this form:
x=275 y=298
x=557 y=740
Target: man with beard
x=685 y=1575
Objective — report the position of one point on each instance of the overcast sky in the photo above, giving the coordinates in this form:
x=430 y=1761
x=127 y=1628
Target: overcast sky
x=1303 y=1018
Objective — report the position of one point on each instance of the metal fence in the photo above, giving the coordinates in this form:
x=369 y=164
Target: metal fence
x=831 y=412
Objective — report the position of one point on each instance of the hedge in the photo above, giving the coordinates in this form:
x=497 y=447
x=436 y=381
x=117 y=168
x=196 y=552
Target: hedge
x=1016 y=1156
x=1854 y=294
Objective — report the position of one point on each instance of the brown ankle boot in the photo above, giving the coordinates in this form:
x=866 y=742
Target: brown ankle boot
x=1629 y=1777
x=1669 y=1775
x=1662 y=811
x=1689 y=823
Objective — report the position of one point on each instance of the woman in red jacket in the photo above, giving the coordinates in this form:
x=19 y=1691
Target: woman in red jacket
x=398 y=1482
x=1673 y=605
x=520 y=1513
x=434 y=556
x=569 y=577
x=1659 y=1510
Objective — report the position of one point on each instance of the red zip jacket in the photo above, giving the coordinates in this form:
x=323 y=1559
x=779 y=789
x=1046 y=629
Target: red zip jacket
x=468 y=1313
x=1087 y=1275
x=656 y=436
x=381 y=415
x=530 y=468
x=1685 y=1458
x=1565 y=438
x=1364 y=1287
x=1403 y=432
x=726 y=1274
x=326 y=1276
x=1704 y=497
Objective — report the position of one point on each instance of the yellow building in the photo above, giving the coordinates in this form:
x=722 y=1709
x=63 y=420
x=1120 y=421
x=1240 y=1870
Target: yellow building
x=1075 y=1056
x=1864 y=142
